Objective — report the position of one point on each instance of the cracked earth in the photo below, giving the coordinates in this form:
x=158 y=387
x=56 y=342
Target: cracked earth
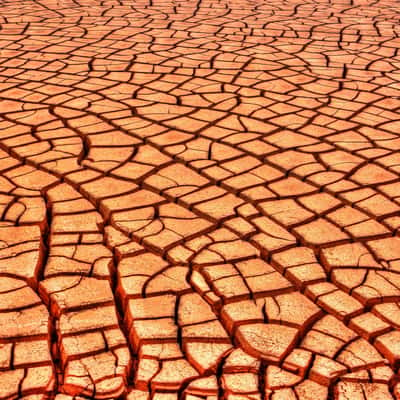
x=200 y=200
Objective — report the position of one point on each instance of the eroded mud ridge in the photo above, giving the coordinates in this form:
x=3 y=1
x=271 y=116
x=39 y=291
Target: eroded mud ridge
x=200 y=200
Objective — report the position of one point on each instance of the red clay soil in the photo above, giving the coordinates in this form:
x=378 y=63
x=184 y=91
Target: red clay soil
x=200 y=200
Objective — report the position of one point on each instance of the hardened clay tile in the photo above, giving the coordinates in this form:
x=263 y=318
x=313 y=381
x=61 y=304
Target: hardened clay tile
x=199 y=200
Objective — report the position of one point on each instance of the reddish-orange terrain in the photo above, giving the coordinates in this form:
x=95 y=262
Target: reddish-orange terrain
x=200 y=200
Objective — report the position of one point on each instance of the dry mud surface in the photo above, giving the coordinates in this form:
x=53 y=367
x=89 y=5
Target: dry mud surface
x=200 y=200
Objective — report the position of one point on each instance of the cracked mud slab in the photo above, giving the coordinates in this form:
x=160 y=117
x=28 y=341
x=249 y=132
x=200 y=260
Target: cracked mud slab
x=199 y=200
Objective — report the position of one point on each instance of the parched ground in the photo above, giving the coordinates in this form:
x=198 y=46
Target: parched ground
x=199 y=200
